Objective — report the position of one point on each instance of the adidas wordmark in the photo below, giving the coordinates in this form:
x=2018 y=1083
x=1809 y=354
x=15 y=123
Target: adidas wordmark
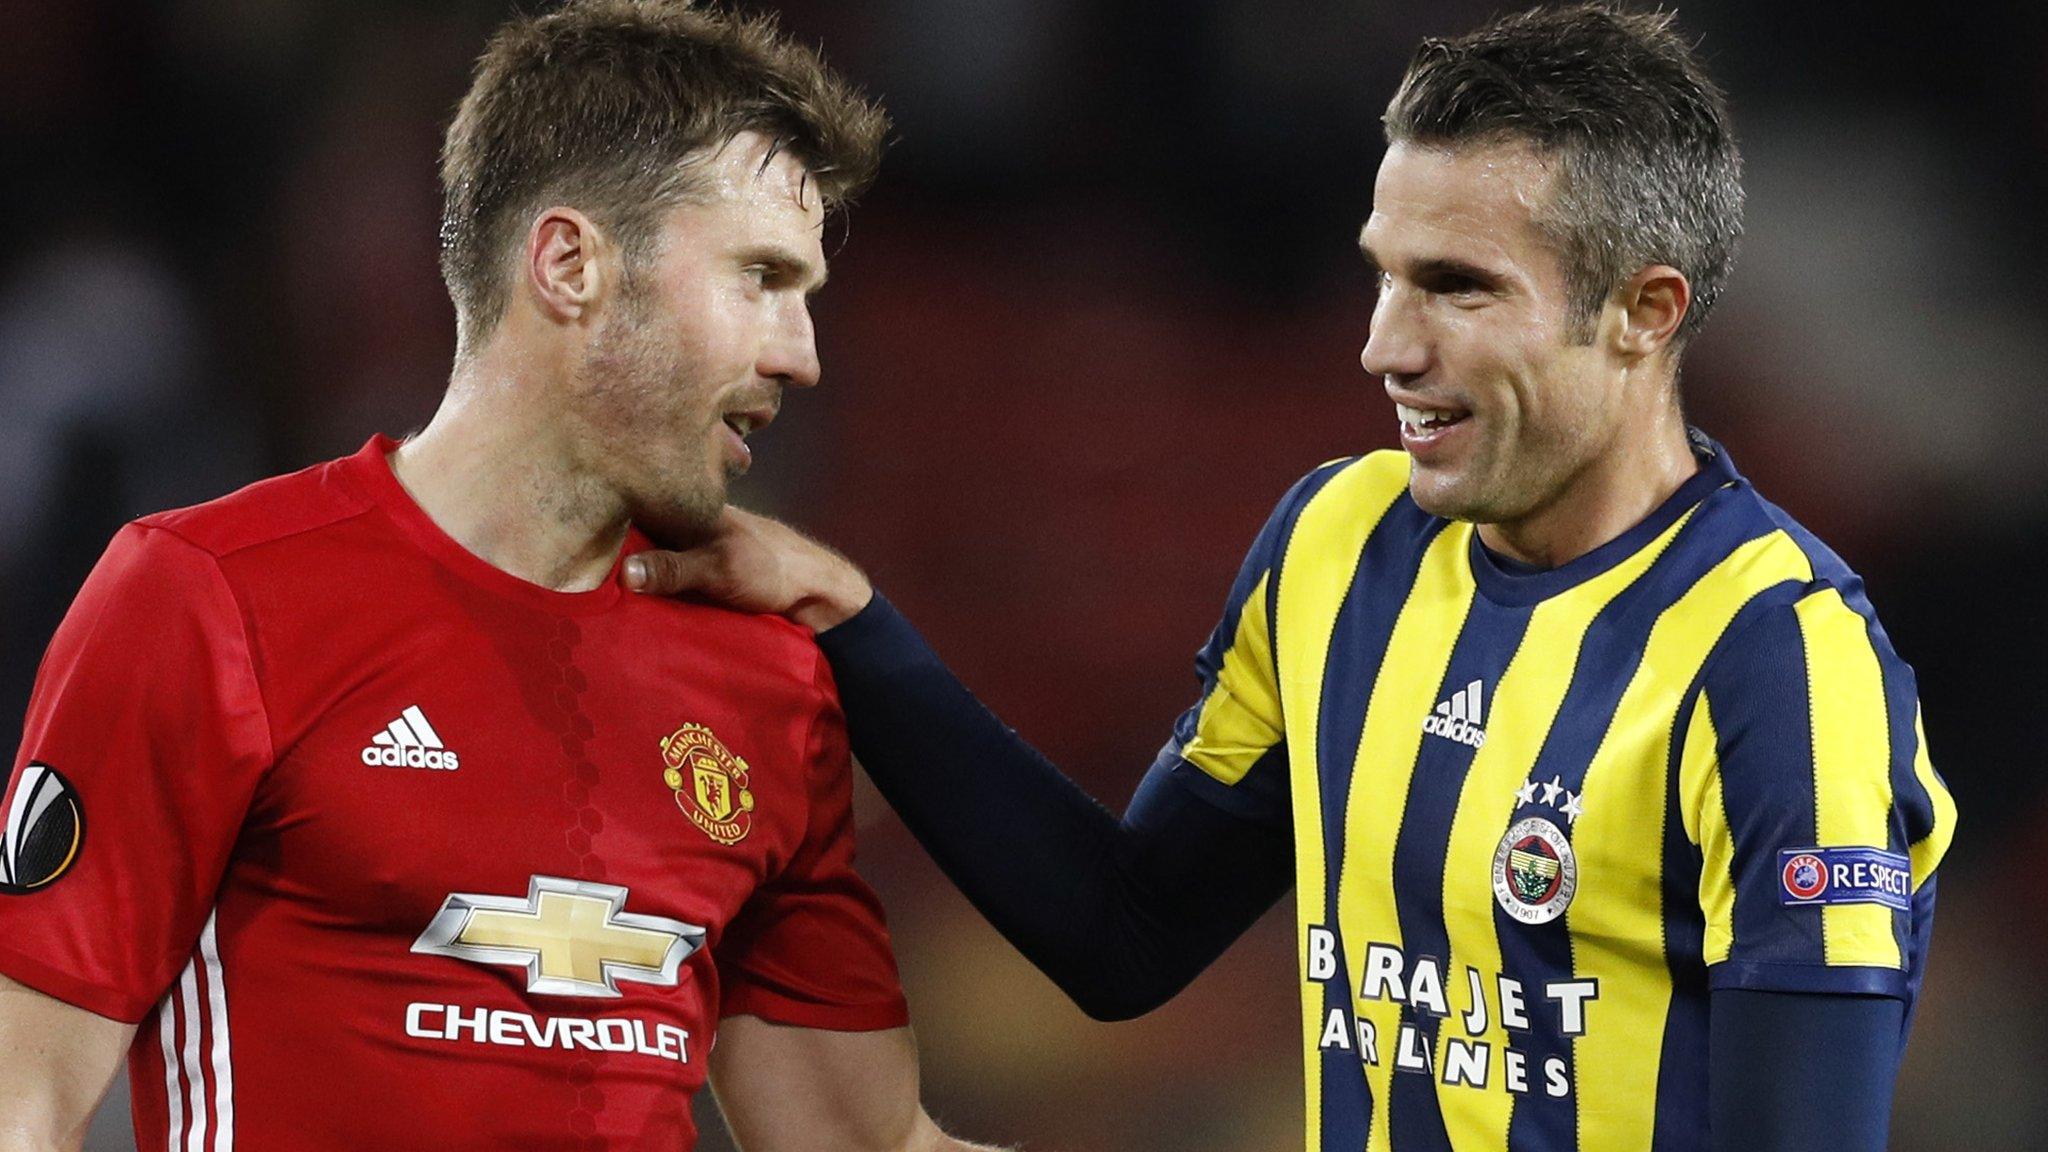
x=410 y=742
x=1459 y=718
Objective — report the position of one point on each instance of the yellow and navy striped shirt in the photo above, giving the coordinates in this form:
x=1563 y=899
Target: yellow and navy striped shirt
x=1539 y=816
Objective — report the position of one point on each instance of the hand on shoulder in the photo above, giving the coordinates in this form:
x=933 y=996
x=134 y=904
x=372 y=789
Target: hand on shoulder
x=757 y=564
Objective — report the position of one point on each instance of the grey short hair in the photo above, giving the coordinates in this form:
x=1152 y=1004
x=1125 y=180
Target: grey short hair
x=1648 y=168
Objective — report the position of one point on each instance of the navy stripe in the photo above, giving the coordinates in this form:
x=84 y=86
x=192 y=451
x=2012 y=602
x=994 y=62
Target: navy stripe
x=1265 y=554
x=1485 y=645
x=1912 y=817
x=1347 y=1098
x=1358 y=641
x=1923 y=935
x=1912 y=808
x=1609 y=654
x=1263 y=794
x=1680 y=1123
x=1758 y=692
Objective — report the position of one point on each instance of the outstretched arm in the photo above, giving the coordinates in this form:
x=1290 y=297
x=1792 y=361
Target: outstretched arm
x=1120 y=913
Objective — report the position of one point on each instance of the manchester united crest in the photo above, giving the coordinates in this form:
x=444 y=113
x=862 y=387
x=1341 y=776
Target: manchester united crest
x=710 y=783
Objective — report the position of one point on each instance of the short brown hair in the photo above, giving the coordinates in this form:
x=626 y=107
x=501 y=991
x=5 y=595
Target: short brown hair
x=601 y=104
x=1648 y=168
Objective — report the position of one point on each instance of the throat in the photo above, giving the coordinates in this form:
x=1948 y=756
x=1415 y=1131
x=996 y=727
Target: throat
x=546 y=526
x=1614 y=494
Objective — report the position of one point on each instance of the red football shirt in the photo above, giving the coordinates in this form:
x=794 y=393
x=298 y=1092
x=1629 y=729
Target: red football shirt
x=386 y=848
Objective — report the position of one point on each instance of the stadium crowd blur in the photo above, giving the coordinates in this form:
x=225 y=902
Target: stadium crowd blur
x=1102 y=308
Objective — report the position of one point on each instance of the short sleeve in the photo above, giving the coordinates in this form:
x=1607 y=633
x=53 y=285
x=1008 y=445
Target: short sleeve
x=1809 y=792
x=144 y=741
x=1230 y=747
x=811 y=948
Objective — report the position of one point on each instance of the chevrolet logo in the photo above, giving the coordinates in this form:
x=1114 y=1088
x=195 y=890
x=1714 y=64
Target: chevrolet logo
x=573 y=937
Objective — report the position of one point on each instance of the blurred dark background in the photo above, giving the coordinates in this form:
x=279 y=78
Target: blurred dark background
x=1102 y=308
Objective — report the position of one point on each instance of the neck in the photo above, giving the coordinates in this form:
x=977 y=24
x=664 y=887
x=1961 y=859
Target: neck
x=494 y=471
x=1615 y=492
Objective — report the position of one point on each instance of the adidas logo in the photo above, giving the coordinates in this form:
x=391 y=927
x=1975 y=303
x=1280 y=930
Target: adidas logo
x=1459 y=718
x=410 y=742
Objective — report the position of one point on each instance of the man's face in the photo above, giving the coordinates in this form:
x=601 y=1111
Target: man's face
x=693 y=354
x=1501 y=412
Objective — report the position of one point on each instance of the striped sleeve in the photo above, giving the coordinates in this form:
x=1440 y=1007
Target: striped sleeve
x=1817 y=813
x=1230 y=747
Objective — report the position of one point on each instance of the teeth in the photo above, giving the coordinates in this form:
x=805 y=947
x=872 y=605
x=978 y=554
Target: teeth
x=740 y=423
x=1422 y=417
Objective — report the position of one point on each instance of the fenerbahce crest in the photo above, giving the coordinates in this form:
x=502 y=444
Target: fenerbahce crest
x=709 y=781
x=1535 y=872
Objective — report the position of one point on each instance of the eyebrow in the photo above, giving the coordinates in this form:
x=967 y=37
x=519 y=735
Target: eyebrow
x=789 y=262
x=1436 y=267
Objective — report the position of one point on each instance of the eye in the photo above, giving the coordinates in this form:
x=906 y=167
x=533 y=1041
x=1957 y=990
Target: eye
x=758 y=274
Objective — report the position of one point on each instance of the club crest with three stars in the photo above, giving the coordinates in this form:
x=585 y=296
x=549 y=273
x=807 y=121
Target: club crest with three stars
x=1535 y=872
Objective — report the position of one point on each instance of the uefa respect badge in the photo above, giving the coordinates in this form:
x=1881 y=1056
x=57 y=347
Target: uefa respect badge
x=1844 y=876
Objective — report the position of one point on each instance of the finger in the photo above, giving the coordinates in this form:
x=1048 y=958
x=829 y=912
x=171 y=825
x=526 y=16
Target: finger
x=661 y=573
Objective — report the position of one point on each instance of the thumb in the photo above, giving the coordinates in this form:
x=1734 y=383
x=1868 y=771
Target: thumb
x=663 y=573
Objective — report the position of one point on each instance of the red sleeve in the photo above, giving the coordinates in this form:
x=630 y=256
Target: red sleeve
x=811 y=949
x=144 y=741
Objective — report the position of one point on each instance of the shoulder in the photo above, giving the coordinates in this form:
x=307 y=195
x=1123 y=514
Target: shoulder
x=1337 y=492
x=767 y=652
x=1804 y=601
x=1374 y=479
x=264 y=512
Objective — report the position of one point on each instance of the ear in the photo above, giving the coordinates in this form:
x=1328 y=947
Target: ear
x=569 y=266
x=1653 y=302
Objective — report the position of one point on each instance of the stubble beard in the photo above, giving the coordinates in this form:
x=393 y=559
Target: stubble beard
x=1515 y=481
x=648 y=441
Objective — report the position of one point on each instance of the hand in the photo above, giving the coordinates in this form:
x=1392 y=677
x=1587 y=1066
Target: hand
x=756 y=564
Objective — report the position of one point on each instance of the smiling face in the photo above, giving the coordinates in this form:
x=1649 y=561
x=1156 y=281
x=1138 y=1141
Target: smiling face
x=1505 y=414
x=694 y=352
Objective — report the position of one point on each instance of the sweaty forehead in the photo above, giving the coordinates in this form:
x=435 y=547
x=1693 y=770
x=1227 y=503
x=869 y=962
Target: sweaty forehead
x=1476 y=204
x=750 y=170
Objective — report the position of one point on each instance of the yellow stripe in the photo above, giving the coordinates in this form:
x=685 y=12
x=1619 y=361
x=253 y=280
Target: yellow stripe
x=1524 y=707
x=1240 y=720
x=1852 y=779
x=1411 y=670
x=1616 y=919
x=1929 y=849
x=1321 y=558
x=1699 y=791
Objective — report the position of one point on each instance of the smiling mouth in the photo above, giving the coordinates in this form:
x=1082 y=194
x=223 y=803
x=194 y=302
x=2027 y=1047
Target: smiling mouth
x=1424 y=422
x=749 y=421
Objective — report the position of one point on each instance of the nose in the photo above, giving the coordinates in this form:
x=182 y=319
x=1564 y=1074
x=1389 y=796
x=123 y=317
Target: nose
x=791 y=352
x=1397 y=345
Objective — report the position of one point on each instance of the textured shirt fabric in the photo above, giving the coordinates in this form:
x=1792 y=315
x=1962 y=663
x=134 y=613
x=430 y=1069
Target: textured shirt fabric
x=383 y=847
x=1539 y=816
